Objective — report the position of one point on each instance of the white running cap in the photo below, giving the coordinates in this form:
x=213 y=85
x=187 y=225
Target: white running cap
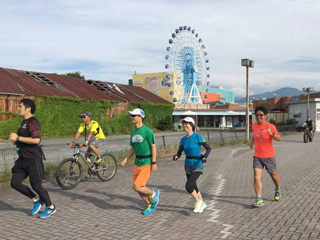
x=188 y=119
x=137 y=111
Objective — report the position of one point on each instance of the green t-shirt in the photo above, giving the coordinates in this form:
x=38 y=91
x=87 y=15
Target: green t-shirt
x=141 y=140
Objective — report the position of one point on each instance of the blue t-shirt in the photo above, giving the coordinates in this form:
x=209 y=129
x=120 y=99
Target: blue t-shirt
x=191 y=147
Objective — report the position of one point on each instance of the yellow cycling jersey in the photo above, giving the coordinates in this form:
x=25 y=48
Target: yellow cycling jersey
x=92 y=127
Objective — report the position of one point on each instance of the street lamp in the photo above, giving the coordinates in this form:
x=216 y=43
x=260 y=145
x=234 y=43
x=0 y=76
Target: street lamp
x=309 y=89
x=248 y=64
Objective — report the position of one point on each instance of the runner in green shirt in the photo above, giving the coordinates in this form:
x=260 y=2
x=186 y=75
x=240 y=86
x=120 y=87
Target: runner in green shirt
x=143 y=146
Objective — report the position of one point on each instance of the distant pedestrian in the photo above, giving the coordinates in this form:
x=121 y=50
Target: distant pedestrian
x=30 y=163
x=143 y=145
x=191 y=145
x=264 y=154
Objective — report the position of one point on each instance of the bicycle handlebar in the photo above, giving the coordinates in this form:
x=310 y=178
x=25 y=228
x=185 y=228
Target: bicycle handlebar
x=76 y=145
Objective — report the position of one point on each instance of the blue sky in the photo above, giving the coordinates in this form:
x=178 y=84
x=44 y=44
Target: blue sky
x=110 y=40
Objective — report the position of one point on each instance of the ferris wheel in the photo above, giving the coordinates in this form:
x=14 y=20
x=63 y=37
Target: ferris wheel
x=187 y=58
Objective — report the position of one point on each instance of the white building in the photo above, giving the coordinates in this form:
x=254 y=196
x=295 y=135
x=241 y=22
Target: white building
x=213 y=118
x=298 y=110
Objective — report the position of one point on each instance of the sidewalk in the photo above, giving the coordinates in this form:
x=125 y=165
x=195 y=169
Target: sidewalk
x=111 y=210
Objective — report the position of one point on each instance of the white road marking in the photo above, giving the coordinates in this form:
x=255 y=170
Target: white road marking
x=216 y=192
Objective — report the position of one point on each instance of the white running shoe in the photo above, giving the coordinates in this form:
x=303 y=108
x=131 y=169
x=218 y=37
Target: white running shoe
x=197 y=207
x=203 y=206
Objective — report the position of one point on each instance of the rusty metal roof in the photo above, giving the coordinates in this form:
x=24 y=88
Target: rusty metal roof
x=47 y=84
x=77 y=87
x=18 y=82
x=127 y=93
x=147 y=94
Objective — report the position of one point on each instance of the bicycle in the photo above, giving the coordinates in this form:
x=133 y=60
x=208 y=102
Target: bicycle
x=69 y=171
x=307 y=135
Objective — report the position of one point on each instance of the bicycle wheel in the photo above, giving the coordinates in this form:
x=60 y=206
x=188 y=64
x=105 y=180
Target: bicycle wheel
x=310 y=137
x=69 y=173
x=305 y=137
x=107 y=168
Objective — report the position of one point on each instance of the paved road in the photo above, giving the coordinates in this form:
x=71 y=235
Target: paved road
x=111 y=210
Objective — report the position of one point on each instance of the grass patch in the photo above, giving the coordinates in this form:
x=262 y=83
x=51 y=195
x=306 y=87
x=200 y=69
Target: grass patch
x=289 y=133
x=49 y=170
x=5 y=178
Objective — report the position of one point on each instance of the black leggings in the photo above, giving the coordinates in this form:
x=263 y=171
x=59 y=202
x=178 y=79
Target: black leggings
x=191 y=183
x=16 y=183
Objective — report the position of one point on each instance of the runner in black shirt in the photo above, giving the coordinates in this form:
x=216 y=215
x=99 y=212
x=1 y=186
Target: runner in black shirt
x=30 y=162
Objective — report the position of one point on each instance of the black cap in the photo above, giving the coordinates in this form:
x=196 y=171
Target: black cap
x=85 y=113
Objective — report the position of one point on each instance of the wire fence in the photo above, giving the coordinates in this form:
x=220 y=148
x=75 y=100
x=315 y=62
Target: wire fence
x=57 y=152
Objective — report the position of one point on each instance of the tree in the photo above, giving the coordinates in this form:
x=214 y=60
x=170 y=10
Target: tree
x=75 y=74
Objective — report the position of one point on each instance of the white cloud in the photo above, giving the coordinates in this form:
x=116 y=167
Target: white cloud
x=110 y=40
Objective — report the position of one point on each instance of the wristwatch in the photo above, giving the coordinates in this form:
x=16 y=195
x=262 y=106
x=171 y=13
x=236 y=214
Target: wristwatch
x=17 y=139
x=153 y=163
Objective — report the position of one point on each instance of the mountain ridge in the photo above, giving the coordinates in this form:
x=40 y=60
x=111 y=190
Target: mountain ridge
x=282 y=92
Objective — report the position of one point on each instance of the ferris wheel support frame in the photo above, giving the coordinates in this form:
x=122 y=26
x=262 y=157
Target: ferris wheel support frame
x=194 y=95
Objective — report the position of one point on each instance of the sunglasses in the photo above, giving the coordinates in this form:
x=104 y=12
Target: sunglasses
x=259 y=115
x=134 y=115
x=83 y=116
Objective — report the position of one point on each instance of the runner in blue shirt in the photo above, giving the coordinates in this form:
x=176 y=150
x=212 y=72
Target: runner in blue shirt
x=191 y=145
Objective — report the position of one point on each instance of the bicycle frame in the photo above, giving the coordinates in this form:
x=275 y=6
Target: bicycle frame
x=78 y=154
x=309 y=132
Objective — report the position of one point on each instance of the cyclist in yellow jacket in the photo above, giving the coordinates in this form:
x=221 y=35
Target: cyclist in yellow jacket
x=92 y=134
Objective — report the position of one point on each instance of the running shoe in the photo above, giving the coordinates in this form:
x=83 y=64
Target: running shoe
x=197 y=207
x=155 y=199
x=98 y=160
x=277 y=195
x=36 y=207
x=148 y=210
x=87 y=176
x=258 y=203
x=203 y=206
x=47 y=212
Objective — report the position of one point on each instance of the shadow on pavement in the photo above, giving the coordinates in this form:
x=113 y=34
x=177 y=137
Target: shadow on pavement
x=207 y=197
x=140 y=202
x=7 y=207
x=99 y=202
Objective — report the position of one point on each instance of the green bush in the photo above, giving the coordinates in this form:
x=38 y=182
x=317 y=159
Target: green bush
x=290 y=121
x=59 y=116
x=272 y=121
x=165 y=124
x=10 y=125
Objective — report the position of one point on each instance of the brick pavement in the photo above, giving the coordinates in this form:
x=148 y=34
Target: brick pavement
x=111 y=210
